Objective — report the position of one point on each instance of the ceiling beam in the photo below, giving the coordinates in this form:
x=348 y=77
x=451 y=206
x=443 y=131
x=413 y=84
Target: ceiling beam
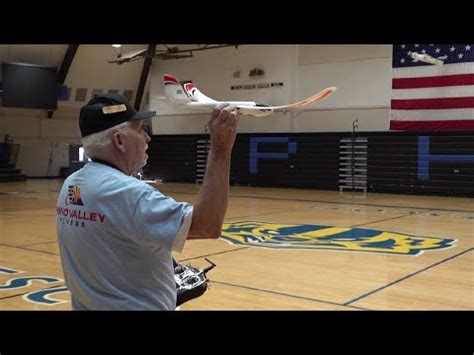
x=144 y=75
x=65 y=65
x=67 y=61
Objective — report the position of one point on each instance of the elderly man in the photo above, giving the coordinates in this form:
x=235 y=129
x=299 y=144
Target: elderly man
x=116 y=233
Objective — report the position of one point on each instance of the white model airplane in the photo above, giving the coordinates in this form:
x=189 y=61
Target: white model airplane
x=120 y=59
x=426 y=58
x=186 y=94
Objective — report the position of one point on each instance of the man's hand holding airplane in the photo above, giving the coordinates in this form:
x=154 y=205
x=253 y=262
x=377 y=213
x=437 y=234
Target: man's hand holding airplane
x=223 y=126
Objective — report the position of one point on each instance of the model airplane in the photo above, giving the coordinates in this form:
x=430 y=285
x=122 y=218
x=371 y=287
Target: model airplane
x=426 y=58
x=169 y=52
x=186 y=94
x=120 y=59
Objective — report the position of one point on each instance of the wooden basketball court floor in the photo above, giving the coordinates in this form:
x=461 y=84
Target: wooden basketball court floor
x=343 y=273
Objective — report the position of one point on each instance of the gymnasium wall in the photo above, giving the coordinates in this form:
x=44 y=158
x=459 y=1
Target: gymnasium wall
x=433 y=163
x=362 y=74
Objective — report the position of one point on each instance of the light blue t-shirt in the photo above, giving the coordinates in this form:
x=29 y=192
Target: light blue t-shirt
x=116 y=234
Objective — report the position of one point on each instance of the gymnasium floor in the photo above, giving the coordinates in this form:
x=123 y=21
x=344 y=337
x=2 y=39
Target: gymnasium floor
x=294 y=249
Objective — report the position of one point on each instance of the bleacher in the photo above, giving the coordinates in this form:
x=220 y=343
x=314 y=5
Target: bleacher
x=8 y=158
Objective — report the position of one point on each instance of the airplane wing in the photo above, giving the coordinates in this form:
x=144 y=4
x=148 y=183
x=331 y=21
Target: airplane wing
x=266 y=110
x=128 y=56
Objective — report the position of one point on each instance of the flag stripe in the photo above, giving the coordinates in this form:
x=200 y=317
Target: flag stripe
x=432 y=125
x=432 y=70
x=433 y=104
x=432 y=115
x=433 y=81
x=432 y=93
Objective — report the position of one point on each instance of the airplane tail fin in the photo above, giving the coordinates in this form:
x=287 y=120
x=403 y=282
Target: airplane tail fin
x=174 y=90
x=185 y=92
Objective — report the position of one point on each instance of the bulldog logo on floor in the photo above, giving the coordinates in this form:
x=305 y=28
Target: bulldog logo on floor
x=307 y=236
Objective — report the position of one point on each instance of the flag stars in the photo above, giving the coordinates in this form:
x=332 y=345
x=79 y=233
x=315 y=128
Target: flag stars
x=448 y=53
x=403 y=46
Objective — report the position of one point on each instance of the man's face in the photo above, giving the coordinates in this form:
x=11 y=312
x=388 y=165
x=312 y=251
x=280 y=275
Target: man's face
x=136 y=144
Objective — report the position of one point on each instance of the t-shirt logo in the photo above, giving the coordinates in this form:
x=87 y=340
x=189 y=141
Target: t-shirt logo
x=74 y=196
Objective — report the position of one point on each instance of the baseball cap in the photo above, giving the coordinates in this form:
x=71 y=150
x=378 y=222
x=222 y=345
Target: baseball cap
x=107 y=110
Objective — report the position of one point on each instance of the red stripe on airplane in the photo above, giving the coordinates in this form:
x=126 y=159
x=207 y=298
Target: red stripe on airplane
x=189 y=86
x=168 y=79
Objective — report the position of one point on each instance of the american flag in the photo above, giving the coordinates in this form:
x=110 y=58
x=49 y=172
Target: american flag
x=432 y=97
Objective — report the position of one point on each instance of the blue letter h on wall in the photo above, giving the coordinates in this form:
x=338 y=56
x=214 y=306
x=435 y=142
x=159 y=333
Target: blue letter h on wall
x=424 y=158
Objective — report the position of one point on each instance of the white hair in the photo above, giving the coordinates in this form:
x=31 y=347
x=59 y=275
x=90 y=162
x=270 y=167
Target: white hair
x=96 y=143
